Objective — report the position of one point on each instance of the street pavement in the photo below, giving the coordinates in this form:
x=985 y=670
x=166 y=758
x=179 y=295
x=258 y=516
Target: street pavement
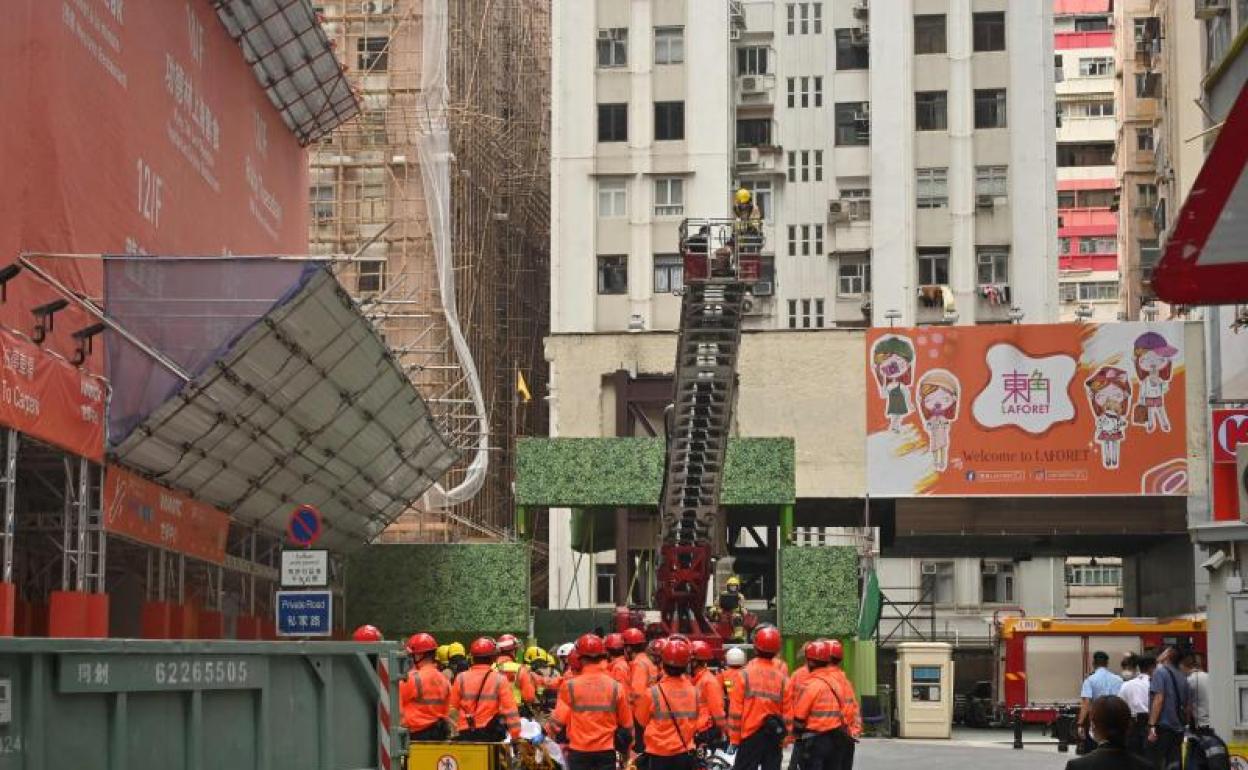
x=968 y=750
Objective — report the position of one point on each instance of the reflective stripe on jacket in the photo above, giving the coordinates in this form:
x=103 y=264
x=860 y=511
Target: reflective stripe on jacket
x=763 y=692
x=591 y=708
x=424 y=697
x=523 y=688
x=484 y=693
x=642 y=674
x=821 y=708
x=669 y=713
x=712 y=700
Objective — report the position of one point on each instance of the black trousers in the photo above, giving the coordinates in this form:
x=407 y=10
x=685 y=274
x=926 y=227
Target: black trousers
x=676 y=762
x=591 y=760
x=1167 y=751
x=1137 y=736
x=760 y=750
x=826 y=751
x=482 y=735
x=435 y=733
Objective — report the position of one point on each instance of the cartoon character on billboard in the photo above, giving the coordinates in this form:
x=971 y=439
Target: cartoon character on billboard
x=1109 y=392
x=1154 y=363
x=939 y=393
x=892 y=359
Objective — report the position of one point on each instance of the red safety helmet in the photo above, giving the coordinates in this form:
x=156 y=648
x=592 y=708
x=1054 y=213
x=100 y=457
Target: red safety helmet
x=367 y=633
x=702 y=651
x=615 y=643
x=836 y=650
x=767 y=639
x=817 y=651
x=676 y=652
x=655 y=648
x=591 y=646
x=421 y=643
x=508 y=644
x=574 y=662
x=633 y=637
x=483 y=647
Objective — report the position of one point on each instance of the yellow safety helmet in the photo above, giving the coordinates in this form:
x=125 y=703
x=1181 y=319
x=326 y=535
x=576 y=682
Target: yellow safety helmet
x=440 y=654
x=734 y=581
x=743 y=196
x=532 y=654
x=455 y=649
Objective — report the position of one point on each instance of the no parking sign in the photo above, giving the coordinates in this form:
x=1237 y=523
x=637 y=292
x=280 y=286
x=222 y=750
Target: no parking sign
x=305 y=526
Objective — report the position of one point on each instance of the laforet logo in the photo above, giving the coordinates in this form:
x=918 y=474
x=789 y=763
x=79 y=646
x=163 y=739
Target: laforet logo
x=1025 y=391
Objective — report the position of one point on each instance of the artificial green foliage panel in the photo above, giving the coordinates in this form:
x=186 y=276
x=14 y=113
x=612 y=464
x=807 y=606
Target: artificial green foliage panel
x=819 y=591
x=609 y=472
x=449 y=589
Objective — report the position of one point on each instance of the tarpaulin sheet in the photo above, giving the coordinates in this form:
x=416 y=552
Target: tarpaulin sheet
x=149 y=513
x=48 y=398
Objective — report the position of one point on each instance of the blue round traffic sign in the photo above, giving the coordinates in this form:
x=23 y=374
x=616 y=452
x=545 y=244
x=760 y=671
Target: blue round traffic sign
x=304 y=527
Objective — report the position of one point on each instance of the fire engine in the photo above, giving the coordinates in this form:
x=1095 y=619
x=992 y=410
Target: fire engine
x=1041 y=662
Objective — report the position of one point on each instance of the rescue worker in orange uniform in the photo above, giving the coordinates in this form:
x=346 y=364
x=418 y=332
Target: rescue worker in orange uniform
x=593 y=712
x=523 y=685
x=482 y=700
x=366 y=633
x=424 y=694
x=759 y=711
x=641 y=670
x=825 y=720
x=734 y=664
x=669 y=712
x=711 y=720
x=617 y=663
x=797 y=683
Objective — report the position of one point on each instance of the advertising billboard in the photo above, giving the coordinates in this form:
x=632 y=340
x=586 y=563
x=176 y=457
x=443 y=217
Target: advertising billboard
x=149 y=513
x=1066 y=409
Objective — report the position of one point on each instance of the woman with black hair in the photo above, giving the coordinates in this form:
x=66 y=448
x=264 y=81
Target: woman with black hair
x=1111 y=721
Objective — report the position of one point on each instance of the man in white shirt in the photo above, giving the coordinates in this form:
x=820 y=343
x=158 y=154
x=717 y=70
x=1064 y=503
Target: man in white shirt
x=1135 y=693
x=1198 y=682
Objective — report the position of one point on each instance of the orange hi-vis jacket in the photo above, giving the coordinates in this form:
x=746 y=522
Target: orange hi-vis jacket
x=763 y=692
x=424 y=697
x=591 y=707
x=797 y=683
x=620 y=671
x=669 y=714
x=642 y=673
x=484 y=693
x=712 y=693
x=853 y=717
x=523 y=684
x=730 y=678
x=826 y=703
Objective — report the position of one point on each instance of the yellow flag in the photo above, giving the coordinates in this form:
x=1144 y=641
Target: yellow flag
x=522 y=387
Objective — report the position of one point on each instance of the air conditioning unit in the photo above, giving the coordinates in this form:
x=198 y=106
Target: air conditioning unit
x=862 y=9
x=928 y=569
x=989 y=568
x=750 y=85
x=373 y=7
x=837 y=211
x=762 y=289
x=985 y=201
x=1069 y=300
x=1207 y=9
x=747 y=156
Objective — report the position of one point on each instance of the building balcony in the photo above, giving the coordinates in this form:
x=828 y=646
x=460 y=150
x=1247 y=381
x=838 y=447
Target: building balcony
x=756 y=92
x=992 y=302
x=1099 y=220
x=1063 y=41
x=935 y=305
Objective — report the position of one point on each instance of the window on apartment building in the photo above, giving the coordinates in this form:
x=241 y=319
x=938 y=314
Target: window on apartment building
x=1159 y=216
x=613 y=47
x=669 y=273
x=1065 y=199
x=322 y=199
x=1098 y=291
x=1063 y=245
x=604 y=583
x=929 y=33
x=933 y=266
x=1092 y=109
x=990 y=108
x=816 y=18
x=936 y=582
x=1094 y=245
x=852 y=51
x=1091 y=23
x=856 y=202
x=1067 y=292
x=1150 y=252
x=805 y=91
x=1146 y=195
x=1096 y=199
x=753 y=132
x=371 y=276
x=853 y=275
x=853 y=124
x=1144 y=139
x=931 y=110
x=1217 y=30
x=669 y=196
x=791 y=18
x=752 y=60
x=613 y=122
x=992 y=265
x=805 y=240
x=1096 y=67
x=932 y=188
x=373 y=123
x=612 y=198
x=1094 y=575
x=806 y=313
x=988 y=31
x=373 y=53
x=996 y=581
x=669 y=45
x=612 y=274
x=1146 y=28
x=801 y=164
x=804 y=18
x=761 y=190
x=669 y=121
x=816 y=87
x=1147 y=85
x=1085 y=154
x=373 y=203
x=818 y=164
x=992 y=180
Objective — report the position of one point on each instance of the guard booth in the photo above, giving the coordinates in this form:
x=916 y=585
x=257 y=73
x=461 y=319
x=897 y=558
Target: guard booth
x=924 y=690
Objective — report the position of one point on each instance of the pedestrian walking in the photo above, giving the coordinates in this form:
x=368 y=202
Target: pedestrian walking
x=759 y=714
x=1198 y=685
x=593 y=716
x=1109 y=719
x=424 y=694
x=1100 y=682
x=1169 y=713
x=1135 y=693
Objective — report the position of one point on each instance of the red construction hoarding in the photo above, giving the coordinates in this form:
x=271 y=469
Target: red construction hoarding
x=149 y=513
x=50 y=399
x=1229 y=429
x=133 y=127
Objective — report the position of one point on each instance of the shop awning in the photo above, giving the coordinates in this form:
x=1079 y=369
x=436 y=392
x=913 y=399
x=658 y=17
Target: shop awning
x=255 y=385
x=1206 y=257
x=294 y=62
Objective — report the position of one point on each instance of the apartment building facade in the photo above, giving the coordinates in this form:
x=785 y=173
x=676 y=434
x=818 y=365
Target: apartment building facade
x=1087 y=185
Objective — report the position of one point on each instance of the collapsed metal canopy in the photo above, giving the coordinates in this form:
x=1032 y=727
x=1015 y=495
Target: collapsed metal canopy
x=292 y=58
x=301 y=404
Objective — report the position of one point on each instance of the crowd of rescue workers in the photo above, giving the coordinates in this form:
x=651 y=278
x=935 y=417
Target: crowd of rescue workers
x=622 y=700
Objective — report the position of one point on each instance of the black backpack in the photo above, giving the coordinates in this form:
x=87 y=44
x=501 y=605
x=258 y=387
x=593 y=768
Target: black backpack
x=1206 y=751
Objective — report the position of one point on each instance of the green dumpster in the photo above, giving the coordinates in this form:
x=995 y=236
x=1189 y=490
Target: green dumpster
x=121 y=704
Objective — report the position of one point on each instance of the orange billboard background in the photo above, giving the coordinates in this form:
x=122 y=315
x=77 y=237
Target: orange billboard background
x=1072 y=409
x=48 y=398
x=149 y=513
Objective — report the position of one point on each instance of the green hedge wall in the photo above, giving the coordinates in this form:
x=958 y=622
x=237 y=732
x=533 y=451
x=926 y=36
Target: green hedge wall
x=448 y=589
x=819 y=591
x=609 y=472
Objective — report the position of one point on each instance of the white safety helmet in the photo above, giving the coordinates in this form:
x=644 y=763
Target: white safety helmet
x=565 y=650
x=735 y=656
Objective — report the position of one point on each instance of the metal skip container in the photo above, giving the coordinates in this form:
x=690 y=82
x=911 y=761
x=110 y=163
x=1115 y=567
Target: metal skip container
x=122 y=704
